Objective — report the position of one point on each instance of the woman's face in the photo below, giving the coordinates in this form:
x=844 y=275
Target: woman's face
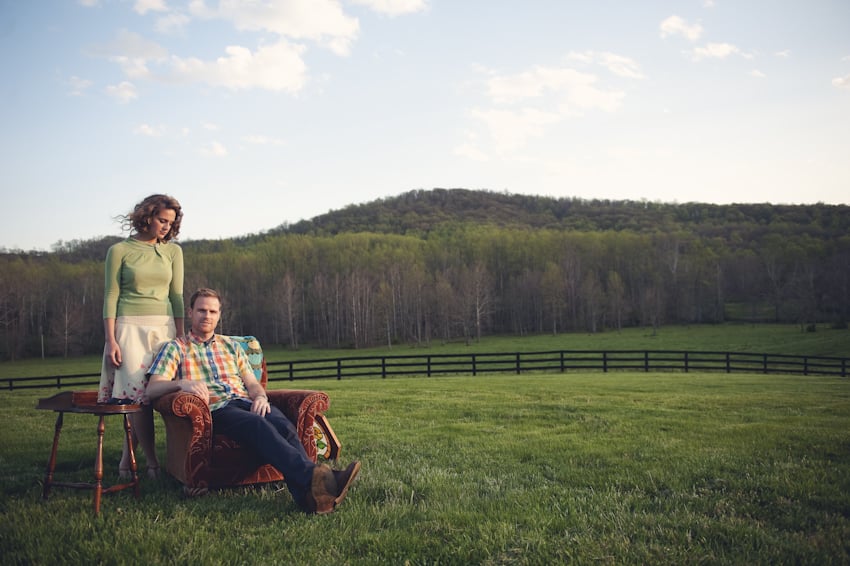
x=160 y=224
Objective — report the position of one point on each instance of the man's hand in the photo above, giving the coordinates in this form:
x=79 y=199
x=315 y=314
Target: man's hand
x=160 y=385
x=260 y=405
x=199 y=388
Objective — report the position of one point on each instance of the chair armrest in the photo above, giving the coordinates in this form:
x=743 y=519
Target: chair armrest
x=182 y=404
x=301 y=407
x=189 y=433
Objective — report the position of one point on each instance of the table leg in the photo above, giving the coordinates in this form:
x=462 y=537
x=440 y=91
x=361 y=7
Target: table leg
x=98 y=466
x=51 y=463
x=128 y=430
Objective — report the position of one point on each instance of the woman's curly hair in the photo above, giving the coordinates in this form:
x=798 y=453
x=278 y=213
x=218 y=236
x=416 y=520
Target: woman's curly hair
x=140 y=218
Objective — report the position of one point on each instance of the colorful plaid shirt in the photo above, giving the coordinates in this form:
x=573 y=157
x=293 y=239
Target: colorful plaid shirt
x=218 y=362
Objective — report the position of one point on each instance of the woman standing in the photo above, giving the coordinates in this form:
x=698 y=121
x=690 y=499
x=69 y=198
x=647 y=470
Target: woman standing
x=142 y=308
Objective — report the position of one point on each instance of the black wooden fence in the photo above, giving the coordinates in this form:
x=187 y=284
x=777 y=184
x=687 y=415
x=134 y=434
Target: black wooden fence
x=555 y=361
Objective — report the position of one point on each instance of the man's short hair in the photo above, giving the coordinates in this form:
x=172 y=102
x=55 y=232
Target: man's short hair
x=205 y=292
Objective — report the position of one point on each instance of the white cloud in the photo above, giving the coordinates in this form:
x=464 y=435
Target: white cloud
x=527 y=104
x=621 y=66
x=714 y=51
x=276 y=67
x=393 y=7
x=214 y=149
x=130 y=45
x=568 y=87
x=618 y=64
x=88 y=3
x=133 y=68
x=132 y=52
x=470 y=151
x=144 y=6
x=674 y=25
x=209 y=126
x=149 y=131
x=78 y=86
x=708 y=3
x=511 y=129
x=322 y=21
x=784 y=53
x=757 y=74
x=841 y=82
x=262 y=140
x=171 y=23
x=124 y=92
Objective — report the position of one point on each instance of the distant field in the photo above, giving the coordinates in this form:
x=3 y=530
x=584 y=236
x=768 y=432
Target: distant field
x=584 y=468
x=762 y=338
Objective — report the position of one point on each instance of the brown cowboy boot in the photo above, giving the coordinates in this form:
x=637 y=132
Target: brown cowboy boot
x=344 y=479
x=323 y=491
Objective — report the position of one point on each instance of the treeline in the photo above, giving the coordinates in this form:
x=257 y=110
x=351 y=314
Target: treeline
x=328 y=282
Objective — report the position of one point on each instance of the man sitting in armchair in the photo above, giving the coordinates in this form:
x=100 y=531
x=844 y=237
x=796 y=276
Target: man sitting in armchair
x=217 y=370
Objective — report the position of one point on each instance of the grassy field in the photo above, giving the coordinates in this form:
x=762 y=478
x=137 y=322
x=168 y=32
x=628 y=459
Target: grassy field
x=584 y=468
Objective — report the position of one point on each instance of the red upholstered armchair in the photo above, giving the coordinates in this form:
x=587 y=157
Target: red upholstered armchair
x=201 y=460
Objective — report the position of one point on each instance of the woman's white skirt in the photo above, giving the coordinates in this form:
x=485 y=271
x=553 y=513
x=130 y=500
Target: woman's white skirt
x=140 y=338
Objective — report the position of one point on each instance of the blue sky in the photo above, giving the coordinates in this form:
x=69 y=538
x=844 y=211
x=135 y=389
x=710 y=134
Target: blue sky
x=254 y=113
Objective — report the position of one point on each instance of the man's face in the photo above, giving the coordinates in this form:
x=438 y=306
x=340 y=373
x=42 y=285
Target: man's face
x=205 y=315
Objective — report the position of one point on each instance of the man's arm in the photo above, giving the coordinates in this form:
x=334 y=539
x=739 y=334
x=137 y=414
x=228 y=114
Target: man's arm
x=160 y=385
x=257 y=394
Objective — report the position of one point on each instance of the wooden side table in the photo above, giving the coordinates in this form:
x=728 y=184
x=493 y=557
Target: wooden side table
x=86 y=402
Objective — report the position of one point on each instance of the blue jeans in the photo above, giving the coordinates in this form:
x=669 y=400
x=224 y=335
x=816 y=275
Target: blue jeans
x=273 y=437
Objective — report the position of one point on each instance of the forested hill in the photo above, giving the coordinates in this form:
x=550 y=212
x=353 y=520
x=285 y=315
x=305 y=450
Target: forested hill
x=421 y=211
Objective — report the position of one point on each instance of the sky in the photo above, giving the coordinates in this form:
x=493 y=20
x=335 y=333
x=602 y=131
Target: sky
x=258 y=113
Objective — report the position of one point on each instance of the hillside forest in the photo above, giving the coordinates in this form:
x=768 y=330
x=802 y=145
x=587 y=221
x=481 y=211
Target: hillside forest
x=455 y=264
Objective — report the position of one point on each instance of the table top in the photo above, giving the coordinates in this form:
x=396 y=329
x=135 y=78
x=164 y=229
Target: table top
x=84 y=402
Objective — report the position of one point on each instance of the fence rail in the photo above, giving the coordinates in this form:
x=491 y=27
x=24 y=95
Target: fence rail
x=561 y=361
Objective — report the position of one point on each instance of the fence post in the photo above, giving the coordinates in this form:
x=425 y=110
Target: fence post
x=562 y=361
x=291 y=371
x=428 y=365
x=474 y=367
x=686 y=363
x=764 y=364
x=728 y=363
x=646 y=361
x=339 y=370
x=383 y=367
x=805 y=365
x=518 y=364
x=604 y=362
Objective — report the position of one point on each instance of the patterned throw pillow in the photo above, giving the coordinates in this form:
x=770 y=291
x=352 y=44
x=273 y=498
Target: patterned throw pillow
x=255 y=353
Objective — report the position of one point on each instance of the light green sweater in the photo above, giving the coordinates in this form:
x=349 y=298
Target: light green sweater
x=143 y=279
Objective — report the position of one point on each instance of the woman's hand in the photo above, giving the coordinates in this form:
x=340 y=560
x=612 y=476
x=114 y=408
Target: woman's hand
x=113 y=354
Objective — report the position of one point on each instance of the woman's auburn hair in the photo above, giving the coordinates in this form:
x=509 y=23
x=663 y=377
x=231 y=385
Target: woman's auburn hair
x=139 y=219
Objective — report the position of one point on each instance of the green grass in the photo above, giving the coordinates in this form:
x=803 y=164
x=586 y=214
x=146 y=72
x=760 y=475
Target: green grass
x=584 y=468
